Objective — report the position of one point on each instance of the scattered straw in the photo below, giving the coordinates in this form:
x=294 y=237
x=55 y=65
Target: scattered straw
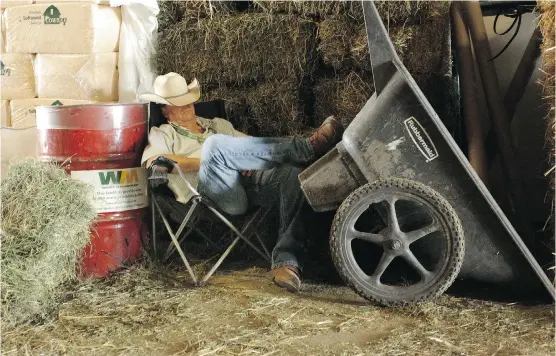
x=239 y=49
x=156 y=311
x=45 y=226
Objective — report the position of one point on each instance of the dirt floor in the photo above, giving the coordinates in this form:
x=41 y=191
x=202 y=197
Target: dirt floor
x=156 y=312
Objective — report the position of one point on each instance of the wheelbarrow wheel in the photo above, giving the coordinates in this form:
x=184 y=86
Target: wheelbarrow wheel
x=396 y=242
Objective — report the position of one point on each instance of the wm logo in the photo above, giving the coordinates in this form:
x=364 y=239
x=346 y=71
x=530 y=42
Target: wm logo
x=128 y=176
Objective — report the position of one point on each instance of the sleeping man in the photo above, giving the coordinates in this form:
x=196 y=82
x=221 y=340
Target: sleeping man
x=236 y=171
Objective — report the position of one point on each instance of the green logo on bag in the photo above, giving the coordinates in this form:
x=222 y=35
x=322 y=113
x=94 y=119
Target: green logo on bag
x=4 y=70
x=52 y=16
x=56 y=103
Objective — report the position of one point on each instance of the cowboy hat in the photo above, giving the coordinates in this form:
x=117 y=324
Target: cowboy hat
x=172 y=89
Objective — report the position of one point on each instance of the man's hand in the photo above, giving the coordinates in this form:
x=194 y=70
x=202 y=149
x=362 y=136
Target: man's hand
x=185 y=163
x=246 y=173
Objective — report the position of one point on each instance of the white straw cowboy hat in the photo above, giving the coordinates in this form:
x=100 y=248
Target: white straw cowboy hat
x=172 y=89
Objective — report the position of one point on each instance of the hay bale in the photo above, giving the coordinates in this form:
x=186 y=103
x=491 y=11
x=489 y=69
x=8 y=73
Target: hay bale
x=45 y=226
x=172 y=12
x=546 y=25
x=391 y=12
x=239 y=49
x=272 y=108
x=275 y=108
x=236 y=105
x=548 y=49
x=342 y=96
x=310 y=9
x=424 y=48
x=335 y=41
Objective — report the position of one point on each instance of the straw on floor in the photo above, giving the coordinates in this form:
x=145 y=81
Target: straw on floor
x=154 y=312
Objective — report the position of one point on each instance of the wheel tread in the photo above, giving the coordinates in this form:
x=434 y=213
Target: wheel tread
x=458 y=245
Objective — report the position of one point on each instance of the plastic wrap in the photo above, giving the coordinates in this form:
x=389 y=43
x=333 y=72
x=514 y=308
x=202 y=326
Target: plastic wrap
x=2 y=33
x=10 y=3
x=17 y=76
x=78 y=76
x=23 y=113
x=62 y=28
x=16 y=144
x=100 y=2
x=137 y=47
x=4 y=113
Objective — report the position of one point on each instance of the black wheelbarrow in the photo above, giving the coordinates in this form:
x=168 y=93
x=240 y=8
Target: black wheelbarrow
x=412 y=214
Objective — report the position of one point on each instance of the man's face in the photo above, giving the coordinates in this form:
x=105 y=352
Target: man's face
x=179 y=114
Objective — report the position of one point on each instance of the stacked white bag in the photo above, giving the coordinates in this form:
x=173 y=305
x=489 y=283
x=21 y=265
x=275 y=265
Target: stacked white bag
x=55 y=53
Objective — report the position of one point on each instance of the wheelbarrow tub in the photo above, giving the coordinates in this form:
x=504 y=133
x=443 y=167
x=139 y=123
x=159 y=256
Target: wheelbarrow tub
x=395 y=136
x=328 y=181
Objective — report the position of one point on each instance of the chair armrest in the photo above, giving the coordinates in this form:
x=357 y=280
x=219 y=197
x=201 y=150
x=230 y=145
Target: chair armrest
x=162 y=166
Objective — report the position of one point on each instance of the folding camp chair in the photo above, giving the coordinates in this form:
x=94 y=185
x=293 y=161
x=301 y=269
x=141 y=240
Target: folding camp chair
x=189 y=215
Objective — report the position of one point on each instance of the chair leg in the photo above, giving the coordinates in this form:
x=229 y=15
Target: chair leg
x=175 y=241
x=208 y=239
x=171 y=247
x=266 y=211
x=219 y=262
x=180 y=229
x=247 y=226
x=262 y=244
x=240 y=235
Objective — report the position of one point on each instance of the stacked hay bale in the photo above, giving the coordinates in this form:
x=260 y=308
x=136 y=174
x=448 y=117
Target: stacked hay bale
x=255 y=61
x=546 y=25
x=285 y=65
x=420 y=32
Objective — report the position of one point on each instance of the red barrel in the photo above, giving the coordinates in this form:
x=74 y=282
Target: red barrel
x=102 y=146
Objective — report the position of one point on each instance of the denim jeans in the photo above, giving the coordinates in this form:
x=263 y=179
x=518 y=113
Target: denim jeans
x=277 y=163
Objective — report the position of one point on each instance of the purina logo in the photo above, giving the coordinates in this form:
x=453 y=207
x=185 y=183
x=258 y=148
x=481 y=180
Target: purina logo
x=4 y=70
x=128 y=176
x=52 y=16
x=421 y=139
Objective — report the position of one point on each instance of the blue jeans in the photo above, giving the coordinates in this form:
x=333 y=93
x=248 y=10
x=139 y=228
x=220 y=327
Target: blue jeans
x=277 y=163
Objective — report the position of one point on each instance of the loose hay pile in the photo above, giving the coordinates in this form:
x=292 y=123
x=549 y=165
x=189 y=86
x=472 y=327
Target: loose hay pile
x=45 y=225
x=271 y=59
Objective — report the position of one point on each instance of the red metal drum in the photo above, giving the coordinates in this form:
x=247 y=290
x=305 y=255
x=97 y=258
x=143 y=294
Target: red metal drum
x=102 y=146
